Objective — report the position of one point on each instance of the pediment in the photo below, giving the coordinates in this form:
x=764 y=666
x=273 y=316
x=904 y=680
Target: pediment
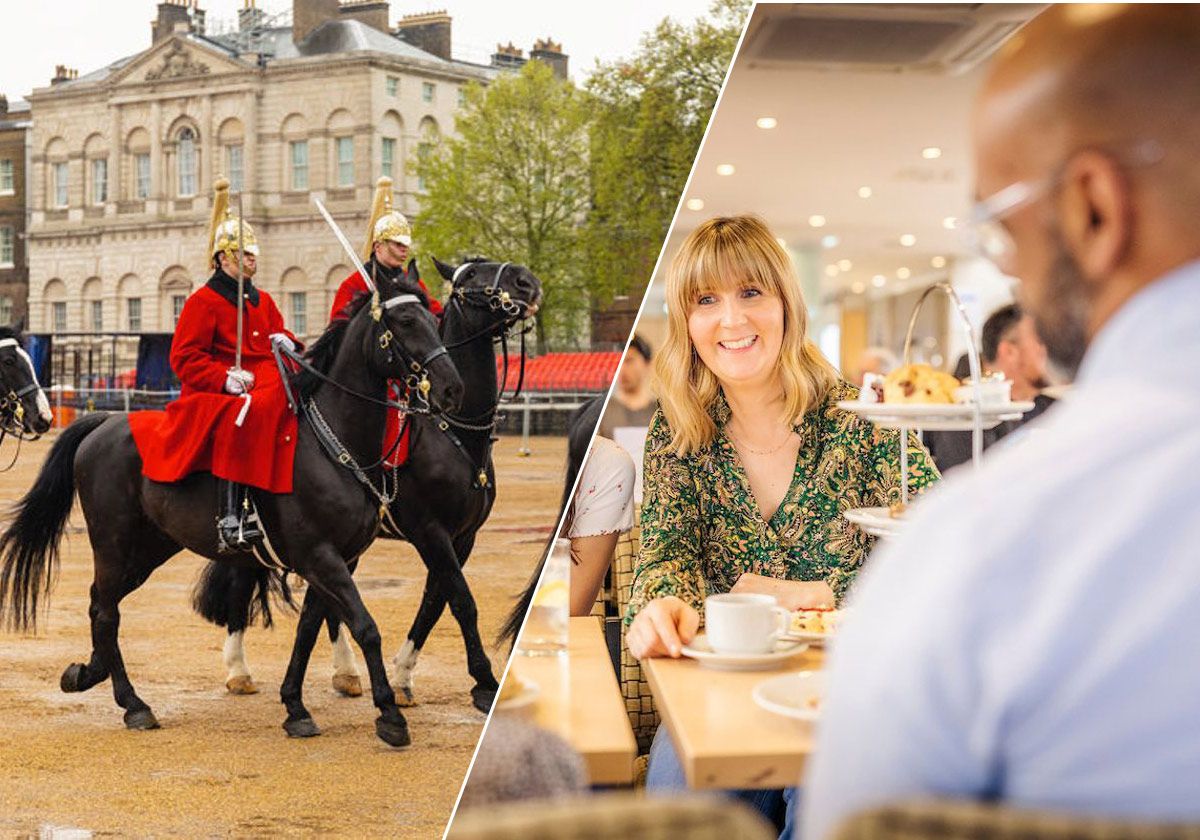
x=176 y=58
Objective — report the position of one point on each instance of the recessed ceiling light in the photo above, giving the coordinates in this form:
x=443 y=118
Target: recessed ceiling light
x=878 y=281
x=695 y=204
x=845 y=265
x=938 y=262
x=931 y=153
x=903 y=273
x=859 y=287
x=831 y=271
x=725 y=169
x=829 y=241
x=766 y=122
x=864 y=192
x=950 y=223
x=816 y=221
x=908 y=240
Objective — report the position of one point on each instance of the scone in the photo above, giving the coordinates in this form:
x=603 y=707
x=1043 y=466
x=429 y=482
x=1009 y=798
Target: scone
x=919 y=384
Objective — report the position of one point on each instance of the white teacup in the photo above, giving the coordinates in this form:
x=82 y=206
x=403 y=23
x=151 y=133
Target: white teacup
x=737 y=623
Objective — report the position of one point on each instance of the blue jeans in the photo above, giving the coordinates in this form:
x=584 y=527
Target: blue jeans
x=665 y=773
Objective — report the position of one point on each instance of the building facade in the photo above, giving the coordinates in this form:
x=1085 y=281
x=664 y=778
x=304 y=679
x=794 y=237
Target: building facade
x=14 y=271
x=123 y=159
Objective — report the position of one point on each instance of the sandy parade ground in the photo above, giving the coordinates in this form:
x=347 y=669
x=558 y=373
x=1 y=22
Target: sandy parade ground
x=221 y=765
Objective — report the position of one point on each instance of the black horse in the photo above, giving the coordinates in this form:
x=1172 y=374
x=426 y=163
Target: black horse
x=135 y=524
x=24 y=410
x=445 y=492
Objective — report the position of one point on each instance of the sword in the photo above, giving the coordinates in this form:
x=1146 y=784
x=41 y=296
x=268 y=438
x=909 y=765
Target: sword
x=241 y=293
x=341 y=237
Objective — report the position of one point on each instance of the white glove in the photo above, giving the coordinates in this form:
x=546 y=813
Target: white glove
x=281 y=338
x=238 y=381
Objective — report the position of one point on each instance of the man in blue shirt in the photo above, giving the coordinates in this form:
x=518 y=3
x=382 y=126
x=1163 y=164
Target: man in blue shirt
x=1031 y=638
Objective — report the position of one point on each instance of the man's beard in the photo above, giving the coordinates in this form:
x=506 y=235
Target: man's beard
x=1062 y=321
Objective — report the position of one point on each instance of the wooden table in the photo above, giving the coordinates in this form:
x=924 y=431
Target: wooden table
x=581 y=701
x=724 y=739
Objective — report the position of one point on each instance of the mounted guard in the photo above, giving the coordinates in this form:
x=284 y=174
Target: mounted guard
x=232 y=417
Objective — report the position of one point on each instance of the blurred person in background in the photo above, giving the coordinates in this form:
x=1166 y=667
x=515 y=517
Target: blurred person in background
x=878 y=360
x=632 y=403
x=1010 y=346
x=1042 y=656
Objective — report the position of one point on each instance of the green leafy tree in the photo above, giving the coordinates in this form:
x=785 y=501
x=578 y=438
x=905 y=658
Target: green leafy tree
x=513 y=185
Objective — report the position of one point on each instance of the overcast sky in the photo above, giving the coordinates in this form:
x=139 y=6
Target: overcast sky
x=88 y=34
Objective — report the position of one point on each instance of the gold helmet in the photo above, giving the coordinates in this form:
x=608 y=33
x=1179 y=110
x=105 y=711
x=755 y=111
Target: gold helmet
x=223 y=228
x=386 y=225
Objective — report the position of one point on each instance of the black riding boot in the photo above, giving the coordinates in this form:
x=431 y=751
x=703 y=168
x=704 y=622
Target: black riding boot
x=237 y=530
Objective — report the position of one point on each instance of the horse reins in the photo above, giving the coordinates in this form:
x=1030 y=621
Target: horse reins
x=12 y=412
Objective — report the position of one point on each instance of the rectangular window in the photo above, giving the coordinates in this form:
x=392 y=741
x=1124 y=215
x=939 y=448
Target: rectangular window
x=462 y=96
x=393 y=85
x=424 y=150
x=299 y=164
x=141 y=187
x=345 y=161
x=133 y=314
x=177 y=302
x=58 y=316
x=60 y=184
x=7 y=249
x=6 y=177
x=427 y=91
x=233 y=159
x=6 y=309
x=387 y=156
x=97 y=315
x=99 y=180
x=187 y=164
x=298 y=301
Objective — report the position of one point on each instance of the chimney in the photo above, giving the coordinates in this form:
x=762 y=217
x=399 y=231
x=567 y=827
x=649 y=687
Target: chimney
x=550 y=53
x=170 y=13
x=63 y=73
x=307 y=15
x=373 y=13
x=429 y=32
x=508 y=57
x=250 y=16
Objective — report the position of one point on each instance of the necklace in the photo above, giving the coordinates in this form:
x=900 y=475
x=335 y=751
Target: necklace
x=742 y=446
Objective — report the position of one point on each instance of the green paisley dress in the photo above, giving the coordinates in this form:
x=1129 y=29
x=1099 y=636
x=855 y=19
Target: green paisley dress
x=701 y=526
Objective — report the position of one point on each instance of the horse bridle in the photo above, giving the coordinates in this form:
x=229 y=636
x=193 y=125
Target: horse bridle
x=12 y=410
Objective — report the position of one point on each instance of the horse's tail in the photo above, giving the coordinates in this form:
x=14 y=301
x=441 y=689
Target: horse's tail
x=237 y=596
x=29 y=547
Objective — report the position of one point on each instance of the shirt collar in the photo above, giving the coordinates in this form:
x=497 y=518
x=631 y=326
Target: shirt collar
x=1156 y=332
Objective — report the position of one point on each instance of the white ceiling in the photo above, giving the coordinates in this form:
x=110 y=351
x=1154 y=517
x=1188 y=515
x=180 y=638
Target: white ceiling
x=844 y=126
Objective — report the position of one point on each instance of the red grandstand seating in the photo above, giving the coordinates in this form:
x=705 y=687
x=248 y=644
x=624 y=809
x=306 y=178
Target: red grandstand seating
x=563 y=371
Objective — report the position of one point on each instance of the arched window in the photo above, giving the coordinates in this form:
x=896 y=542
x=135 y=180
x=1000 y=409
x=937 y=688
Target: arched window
x=93 y=305
x=425 y=148
x=186 y=161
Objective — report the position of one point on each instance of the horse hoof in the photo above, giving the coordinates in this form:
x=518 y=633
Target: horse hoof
x=392 y=733
x=140 y=719
x=482 y=698
x=302 y=728
x=71 y=678
x=241 y=685
x=347 y=685
x=404 y=698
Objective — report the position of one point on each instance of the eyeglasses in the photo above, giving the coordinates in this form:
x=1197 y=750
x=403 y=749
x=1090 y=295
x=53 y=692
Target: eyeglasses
x=985 y=234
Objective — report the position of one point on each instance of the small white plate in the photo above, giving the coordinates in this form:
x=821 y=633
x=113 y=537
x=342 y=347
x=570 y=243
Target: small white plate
x=522 y=704
x=700 y=650
x=791 y=695
x=949 y=417
x=876 y=521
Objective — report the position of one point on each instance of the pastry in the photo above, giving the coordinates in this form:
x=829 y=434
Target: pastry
x=919 y=384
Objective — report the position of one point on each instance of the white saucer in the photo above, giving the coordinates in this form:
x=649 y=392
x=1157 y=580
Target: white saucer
x=700 y=650
x=522 y=704
x=876 y=521
x=948 y=417
x=788 y=694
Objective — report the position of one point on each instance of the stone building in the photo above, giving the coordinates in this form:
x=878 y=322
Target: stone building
x=14 y=271
x=124 y=158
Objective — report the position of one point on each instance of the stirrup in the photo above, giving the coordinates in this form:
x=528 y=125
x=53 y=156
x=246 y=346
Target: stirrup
x=239 y=530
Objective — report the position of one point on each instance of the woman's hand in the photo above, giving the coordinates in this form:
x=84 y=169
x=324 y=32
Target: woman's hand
x=662 y=628
x=791 y=594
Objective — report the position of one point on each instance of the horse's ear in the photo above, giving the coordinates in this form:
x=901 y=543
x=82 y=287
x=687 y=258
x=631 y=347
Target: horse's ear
x=413 y=272
x=446 y=271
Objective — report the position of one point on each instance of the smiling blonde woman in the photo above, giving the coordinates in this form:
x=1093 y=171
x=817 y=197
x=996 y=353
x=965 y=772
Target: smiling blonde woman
x=749 y=463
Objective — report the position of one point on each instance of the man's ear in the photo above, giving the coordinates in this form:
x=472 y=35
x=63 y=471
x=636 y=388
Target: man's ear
x=1095 y=214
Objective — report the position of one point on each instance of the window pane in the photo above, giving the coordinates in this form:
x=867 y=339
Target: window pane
x=133 y=309
x=388 y=155
x=299 y=312
x=6 y=175
x=427 y=91
x=97 y=315
x=6 y=247
x=345 y=161
x=234 y=160
x=60 y=184
x=424 y=150
x=177 y=302
x=142 y=188
x=59 y=315
x=6 y=309
x=187 y=163
x=99 y=181
x=300 y=165
x=393 y=85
